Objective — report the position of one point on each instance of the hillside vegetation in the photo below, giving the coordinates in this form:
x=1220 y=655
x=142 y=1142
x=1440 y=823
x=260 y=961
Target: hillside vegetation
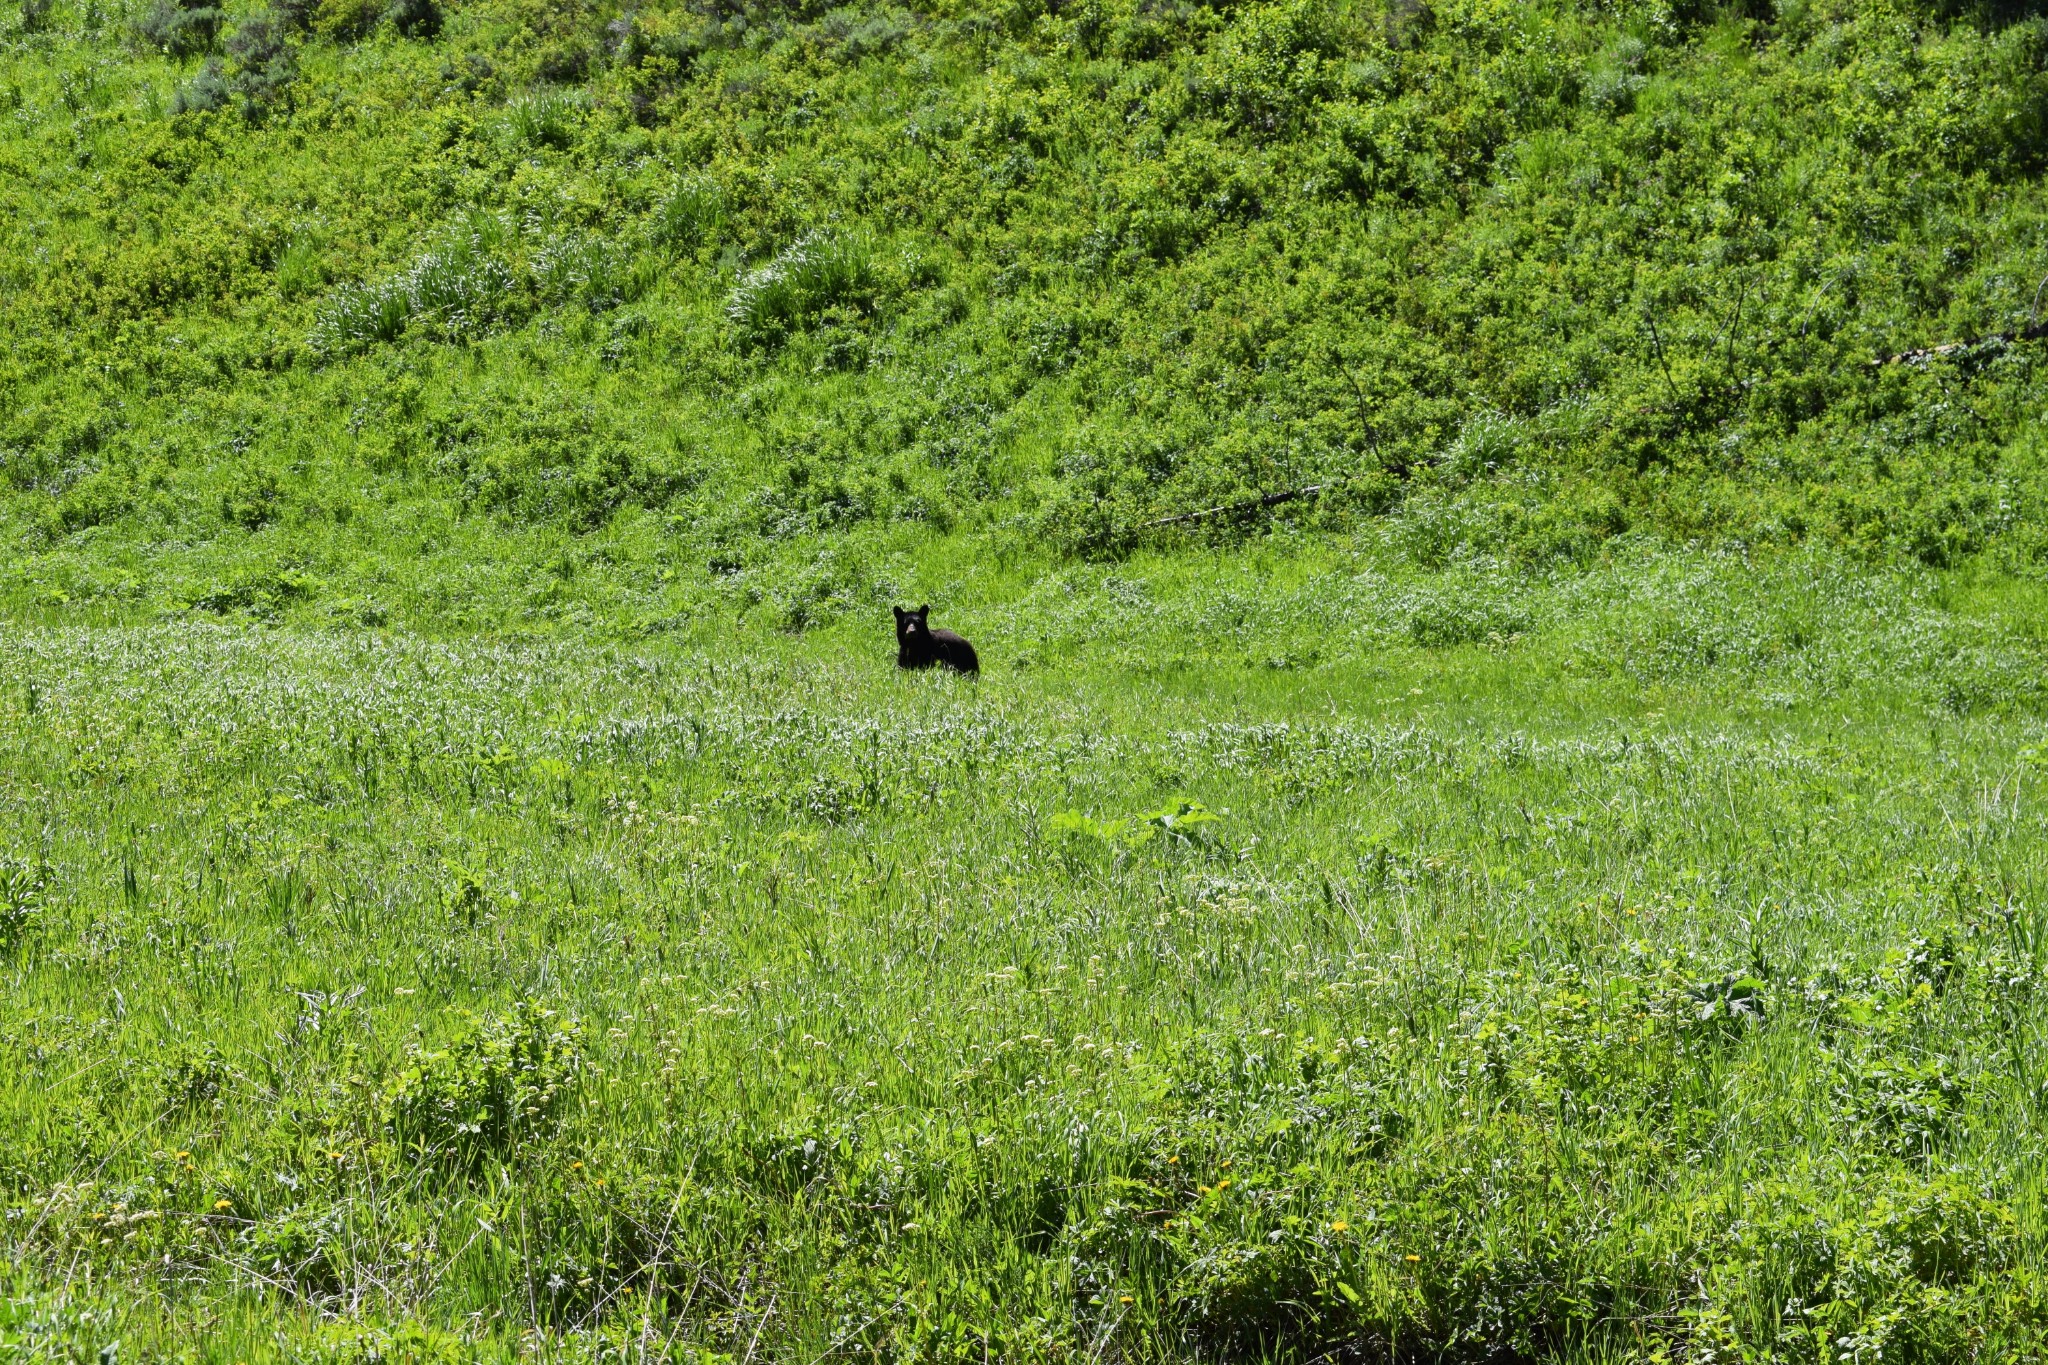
x=324 y=310
x=474 y=885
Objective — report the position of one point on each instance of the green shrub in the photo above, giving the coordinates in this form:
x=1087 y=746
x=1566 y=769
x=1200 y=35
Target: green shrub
x=305 y=1250
x=180 y=28
x=417 y=18
x=195 y=1078
x=251 y=498
x=207 y=91
x=103 y=496
x=259 y=72
x=346 y=20
x=564 y=63
x=504 y=1079
x=261 y=596
x=265 y=64
x=1271 y=67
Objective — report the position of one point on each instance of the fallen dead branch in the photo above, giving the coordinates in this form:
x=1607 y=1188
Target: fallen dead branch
x=1250 y=505
x=2028 y=333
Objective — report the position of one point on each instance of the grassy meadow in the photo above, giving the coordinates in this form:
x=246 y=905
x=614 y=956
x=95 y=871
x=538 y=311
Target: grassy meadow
x=1657 y=977
x=475 y=886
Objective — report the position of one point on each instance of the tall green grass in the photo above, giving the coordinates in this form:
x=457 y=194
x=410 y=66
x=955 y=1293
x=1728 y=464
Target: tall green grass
x=818 y=271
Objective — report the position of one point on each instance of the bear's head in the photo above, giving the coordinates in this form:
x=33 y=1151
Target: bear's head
x=913 y=628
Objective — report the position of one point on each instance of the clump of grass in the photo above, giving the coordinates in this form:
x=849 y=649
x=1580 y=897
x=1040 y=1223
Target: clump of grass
x=546 y=120
x=461 y=287
x=359 y=315
x=821 y=270
x=691 y=215
x=23 y=885
x=586 y=269
x=301 y=266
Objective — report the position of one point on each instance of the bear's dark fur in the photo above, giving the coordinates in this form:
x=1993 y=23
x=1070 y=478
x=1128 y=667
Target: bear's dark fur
x=919 y=646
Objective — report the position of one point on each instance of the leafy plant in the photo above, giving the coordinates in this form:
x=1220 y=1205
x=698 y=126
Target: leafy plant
x=505 y=1078
x=195 y=1079
x=1182 y=822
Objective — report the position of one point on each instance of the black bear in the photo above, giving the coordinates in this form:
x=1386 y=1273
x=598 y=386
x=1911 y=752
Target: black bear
x=919 y=646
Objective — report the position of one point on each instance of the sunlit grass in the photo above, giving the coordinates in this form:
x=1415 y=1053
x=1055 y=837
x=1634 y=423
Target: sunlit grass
x=774 y=1000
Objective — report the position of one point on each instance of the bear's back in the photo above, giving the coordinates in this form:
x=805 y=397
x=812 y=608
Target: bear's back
x=954 y=651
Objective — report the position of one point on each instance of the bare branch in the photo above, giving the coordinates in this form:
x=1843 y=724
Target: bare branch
x=1252 y=505
x=2030 y=332
x=1658 y=341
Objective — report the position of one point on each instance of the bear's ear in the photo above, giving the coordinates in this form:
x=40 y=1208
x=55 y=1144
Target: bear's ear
x=925 y=610
x=900 y=613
